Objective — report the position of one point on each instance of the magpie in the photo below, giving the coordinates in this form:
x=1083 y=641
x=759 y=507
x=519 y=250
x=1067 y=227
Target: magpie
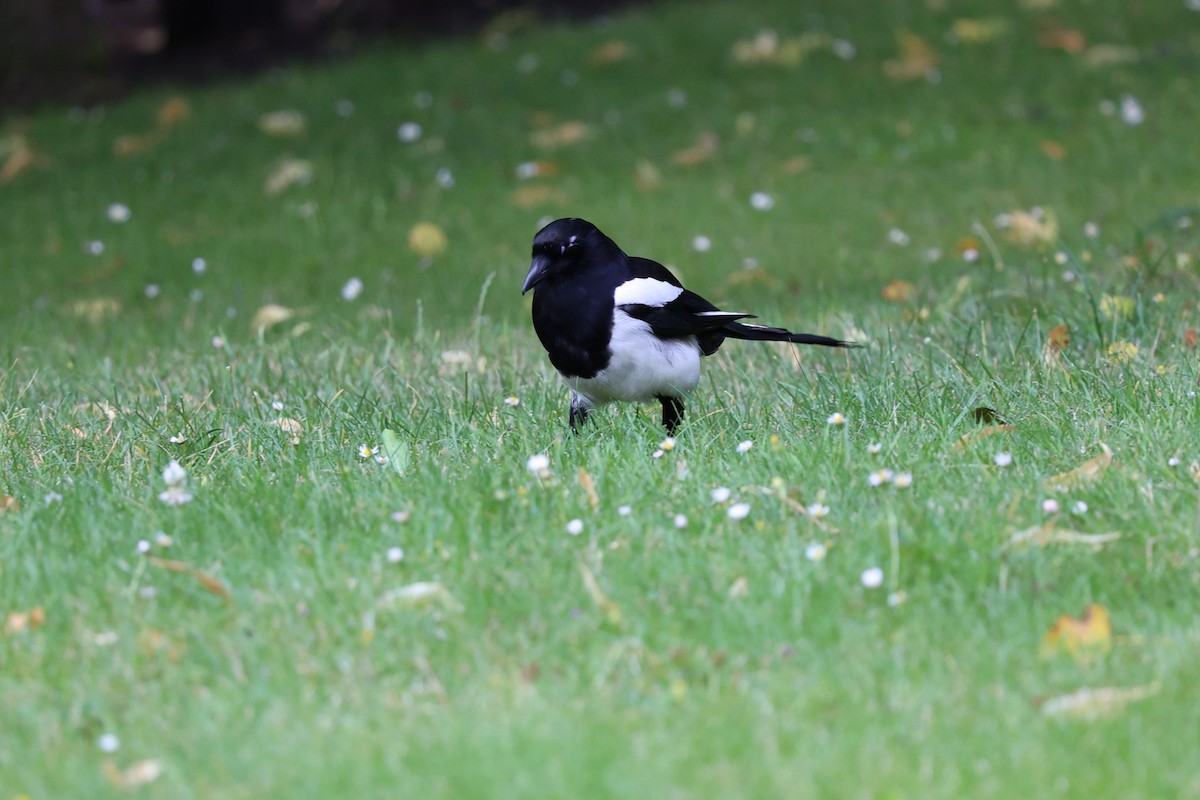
x=623 y=328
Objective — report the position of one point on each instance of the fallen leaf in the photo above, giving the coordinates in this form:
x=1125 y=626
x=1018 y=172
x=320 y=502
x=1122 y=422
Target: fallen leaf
x=1029 y=230
x=1081 y=637
x=604 y=604
x=427 y=240
x=1110 y=55
x=974 y=437
x=978 y=31
x=418 y=595
x=1065 y=39
x=1057 y=340
x=1191 y=338
x=899 y=291
x=1090 y=704
x=1047 y=534
x=21 y=621
x=97 y=309
x=208 y=582
x=172 y=112
x=396 y=450
x=538 y=169
x=8 y=504
x=19 y=160
x=1087 y=472
x=916 y=60
x=287 y=173
x=795 y=165
x=610 y=52
x=289 y=425
x=139 y=773
x=646 y=176
x=1052 y=150
x=740 y=587
x=702 y=150
x=1122 y=352
x=535 y=195
x=133 y=143
x=1115 y=307
x=589 y=488
x=567 y=133
x=288 y=122
x=269 y=316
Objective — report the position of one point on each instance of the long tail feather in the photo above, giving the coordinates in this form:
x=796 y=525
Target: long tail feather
x=764 y=333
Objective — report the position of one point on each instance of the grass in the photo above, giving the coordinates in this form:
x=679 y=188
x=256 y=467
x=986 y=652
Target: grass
x=716 y=659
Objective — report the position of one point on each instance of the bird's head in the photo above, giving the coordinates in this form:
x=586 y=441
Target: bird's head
x=561 y=247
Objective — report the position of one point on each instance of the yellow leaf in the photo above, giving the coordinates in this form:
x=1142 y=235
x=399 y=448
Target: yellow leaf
x=603 y=603
x=1089 y=703
x=969 y=439
x=1087 y=472
x=978 y=31
x=269 y=316
x=567 y=133
x=1117 y=307
x=916 y=60
x=1029 y=230
x=1080 y=637
x=1122 y=352
x=287 y=173
x=288 y=122
x=426 y=239
x=208 y=582
x=702 y=150
x=589 y=487
x=899 y=291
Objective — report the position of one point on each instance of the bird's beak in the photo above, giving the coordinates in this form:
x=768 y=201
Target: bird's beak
x=537 y=271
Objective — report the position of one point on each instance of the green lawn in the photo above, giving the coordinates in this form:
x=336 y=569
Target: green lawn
x=273 y=645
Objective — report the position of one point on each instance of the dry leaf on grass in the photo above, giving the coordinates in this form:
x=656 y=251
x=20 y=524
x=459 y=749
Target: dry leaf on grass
x=139 y=773
x=603 y=603
x=702 y=150
x=899 y=291
x=1092 y=703
x=1057 y=340
x=97 y=309
x=288 y=122
x=974 y=437
x=562 y=135
x=21 y=158
x=589 y=487
x=287 y=173
x=1082 y=637
x=1087 y=472
x=269 y=316
x=1047 y=534
x=1031 y=230
x=21 y=621
x=1052 y=150
x=1066 y=39
x=916 y=60
x=610 y=52
x=418 y=595
x=8 y=504
x=207 y=581
x=646 y=176
x=978 y=30
x=530 y=196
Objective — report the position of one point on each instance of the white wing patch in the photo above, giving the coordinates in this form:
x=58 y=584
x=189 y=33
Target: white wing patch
x=646 y=292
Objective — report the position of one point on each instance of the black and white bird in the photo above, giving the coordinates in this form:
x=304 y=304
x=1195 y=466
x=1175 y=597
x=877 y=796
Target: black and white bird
x=622 y=328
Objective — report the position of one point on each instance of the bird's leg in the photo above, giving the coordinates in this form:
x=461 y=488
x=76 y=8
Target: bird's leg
x=579 y=411
x=672 y=412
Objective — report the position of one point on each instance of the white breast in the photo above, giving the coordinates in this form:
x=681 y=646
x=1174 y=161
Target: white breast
x=642 y=366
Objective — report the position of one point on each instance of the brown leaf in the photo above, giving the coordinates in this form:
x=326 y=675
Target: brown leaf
x=172 y=112
x=1028 y=230
x=1090 y=704
x=1065 y=39
x=1052 y=150
x=610 y=52
x=133 y=143
x=702 y=150
x=916 y=60
x=8 y=504
x=1191 y=338
x=589 y=487
x=1087 y=472
x=139 y=773
x=208 y=582
x=17 y=162
x=567 y=133
x=536 y=195
x=21 y=621
x=899 y=291
x=969 y=439
x=1057 y=340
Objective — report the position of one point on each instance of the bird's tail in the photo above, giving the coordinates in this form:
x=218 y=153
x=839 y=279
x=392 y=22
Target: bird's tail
x=764 y=333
